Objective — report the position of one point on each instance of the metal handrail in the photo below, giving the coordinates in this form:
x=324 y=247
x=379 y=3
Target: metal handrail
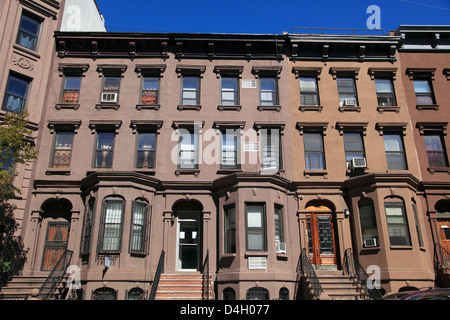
x=205 y=278
x=442 y=256
x=47 y=290
x=353 y=268
x=307 y=270
x=159 y=271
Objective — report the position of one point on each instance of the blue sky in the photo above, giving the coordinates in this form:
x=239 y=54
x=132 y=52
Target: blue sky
x=265 y=16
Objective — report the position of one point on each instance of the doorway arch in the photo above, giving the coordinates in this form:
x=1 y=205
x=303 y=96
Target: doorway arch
x=321 y=237
x=56 y=214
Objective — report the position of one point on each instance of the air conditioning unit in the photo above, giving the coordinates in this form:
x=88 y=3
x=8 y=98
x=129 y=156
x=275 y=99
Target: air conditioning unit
x=257 y=263
x=350 y=102
x=110 y=97
x=280 y=247
x=358 y=163
x=371 y=242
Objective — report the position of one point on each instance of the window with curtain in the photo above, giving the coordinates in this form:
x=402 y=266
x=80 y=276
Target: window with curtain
x=314 y=151
x=268 y=91
x=424 y=94
x=146 y=150
x=353 y=145
x=230 y=230
x=190 y=90
x=62 y=153
x=385 y=92
x=104 y=150
x=395 y=154
x=150 y=90
x=435 y=150
x=309 y=91
x=229 y=91
x=369 y=229
x=256 y=229
x=29 y=30
x=110 y=239
x=188 y=150
x=16 y=94
x=397 y=224
x=71 y=91
x=139 y=227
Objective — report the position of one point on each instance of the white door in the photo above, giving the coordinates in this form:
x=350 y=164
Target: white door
x=188 y=245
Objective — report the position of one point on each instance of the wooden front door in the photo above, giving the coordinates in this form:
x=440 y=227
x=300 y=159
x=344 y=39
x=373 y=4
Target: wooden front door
x=321 y=242
x=55 y=243
x=444 y=233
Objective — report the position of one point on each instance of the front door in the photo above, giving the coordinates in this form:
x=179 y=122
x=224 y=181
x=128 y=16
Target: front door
x=321 y=239
x=188 y=245
x=55 y=244
x=444 y=233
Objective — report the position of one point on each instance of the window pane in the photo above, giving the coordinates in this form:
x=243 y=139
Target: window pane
x=150 y=84
x=422 y=86
x=28 y=32
x=308 y=84
x=254 y=217
x=368 y=222
x=393 y=142
x=268 y=84
x=383 y=86
x=113 y=224
x=139 y=216
x=17 y=87
x=72 y=83
x=313 y=141
x=346 y=85
x=105 y=146
x=397 y=224
x=111 y=84
x=190 y=83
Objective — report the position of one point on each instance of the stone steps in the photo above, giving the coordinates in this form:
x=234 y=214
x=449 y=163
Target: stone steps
x=181 y=286
x=338 y=286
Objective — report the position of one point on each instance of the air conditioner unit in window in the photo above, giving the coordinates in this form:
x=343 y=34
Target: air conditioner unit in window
x=370 y=242
x=110 y=97
x=358 y=163
x=280 y=247
x=350 y=102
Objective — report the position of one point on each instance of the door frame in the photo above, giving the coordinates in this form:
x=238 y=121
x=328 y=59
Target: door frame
x=442 y=224
x=180 y=220
x=47 y=245
x=317 y=258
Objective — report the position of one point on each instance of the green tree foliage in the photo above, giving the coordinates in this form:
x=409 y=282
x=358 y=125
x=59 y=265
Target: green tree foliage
x=16 y=147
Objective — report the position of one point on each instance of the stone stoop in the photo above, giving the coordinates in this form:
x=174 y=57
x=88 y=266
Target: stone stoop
x=181 y=286
x=338 y=286
x=21 y=287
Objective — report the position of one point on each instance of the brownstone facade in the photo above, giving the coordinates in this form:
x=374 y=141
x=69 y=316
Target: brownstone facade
x=242 y=151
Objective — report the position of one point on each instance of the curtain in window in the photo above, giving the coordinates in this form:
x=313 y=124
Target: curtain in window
x=150 y=91
x=146 y=150
x=435 y=152
x=105 y=146
x=255 y=228
x=15 y=95
x=113 y=225
x=397 y=225
x=63 y=150
x=28 y=32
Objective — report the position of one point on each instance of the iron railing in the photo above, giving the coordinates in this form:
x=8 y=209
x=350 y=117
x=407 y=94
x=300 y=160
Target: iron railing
x=159 y=271
x=206 y=281
x=338 y=31
x=442 y=257
x=307 y=270
x=48 y=288
x=354 y=269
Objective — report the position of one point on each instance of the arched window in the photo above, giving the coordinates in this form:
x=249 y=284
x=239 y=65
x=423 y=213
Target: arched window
x=229 y=294
x=283 y=294
x=397 y=222
x=368 y=222
x=257 y=293
x=136 y=294
x=111 y=223
x=104 y=294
